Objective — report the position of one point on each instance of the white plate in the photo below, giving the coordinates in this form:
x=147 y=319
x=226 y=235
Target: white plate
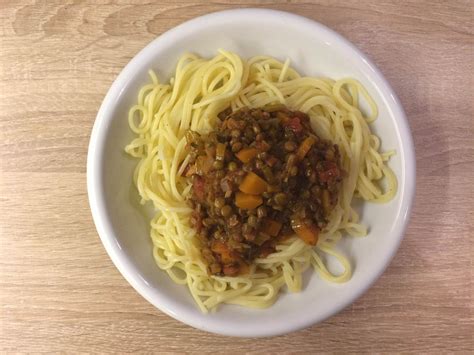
x=124 y=227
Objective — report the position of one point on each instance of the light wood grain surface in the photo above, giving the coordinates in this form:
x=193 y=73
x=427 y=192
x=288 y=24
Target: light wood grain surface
x=58 y=288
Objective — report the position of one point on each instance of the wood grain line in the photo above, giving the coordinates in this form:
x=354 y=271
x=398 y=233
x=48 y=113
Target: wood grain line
x=59 y=291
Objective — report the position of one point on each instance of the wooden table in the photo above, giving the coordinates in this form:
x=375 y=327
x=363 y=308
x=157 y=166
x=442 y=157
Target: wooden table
x=58 y=288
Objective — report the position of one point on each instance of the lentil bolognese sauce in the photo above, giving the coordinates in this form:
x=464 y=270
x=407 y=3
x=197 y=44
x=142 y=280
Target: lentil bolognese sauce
x=260 y=177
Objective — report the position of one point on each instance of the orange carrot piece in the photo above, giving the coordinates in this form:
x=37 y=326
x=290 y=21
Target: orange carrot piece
x=272 y=227
x=305 y=146
x=219 y=247
x=247 y=154
x=247 y=201
x=223 y=250
x=253 y=184
x=309 y=234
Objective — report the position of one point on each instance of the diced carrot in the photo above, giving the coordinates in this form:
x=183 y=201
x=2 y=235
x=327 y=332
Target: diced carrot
x=309 y=234
x=247 y=154
x=247 y=201
x=305 y=146
x=272 y=227
x=223 y=251
x=253 y=184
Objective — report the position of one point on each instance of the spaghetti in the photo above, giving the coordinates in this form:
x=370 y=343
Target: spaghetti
x=198 y=92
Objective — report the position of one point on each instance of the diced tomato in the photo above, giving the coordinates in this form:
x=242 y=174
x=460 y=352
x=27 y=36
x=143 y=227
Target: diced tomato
x=199 y=188
x=294 y=124
x=330 y=172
